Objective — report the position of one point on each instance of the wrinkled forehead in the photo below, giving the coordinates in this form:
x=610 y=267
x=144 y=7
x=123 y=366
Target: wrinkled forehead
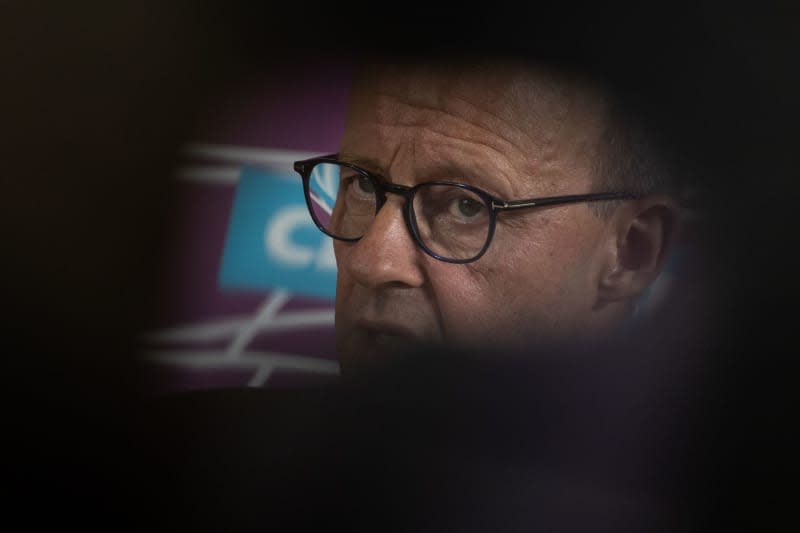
x=531 y=99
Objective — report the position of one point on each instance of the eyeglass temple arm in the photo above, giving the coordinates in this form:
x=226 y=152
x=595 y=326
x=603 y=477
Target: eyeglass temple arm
x=557 y=200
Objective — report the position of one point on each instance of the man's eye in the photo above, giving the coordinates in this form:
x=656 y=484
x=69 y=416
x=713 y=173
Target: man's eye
x=359 y=186
x=365 y=185
x=466 y=207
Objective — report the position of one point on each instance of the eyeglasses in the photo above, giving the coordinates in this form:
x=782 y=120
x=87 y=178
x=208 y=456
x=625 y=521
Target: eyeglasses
x=452 y=222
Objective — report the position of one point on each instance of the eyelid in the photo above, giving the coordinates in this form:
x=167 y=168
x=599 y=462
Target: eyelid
x=480 y=184
x=368 y=166
x=487 y=190
x=451 y=175
x=377 y=176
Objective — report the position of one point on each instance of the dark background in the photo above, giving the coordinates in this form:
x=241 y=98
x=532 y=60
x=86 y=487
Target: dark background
x=96 y=101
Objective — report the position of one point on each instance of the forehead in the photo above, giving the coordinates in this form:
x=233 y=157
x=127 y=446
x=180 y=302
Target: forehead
x=521 y=116
x=506 y=88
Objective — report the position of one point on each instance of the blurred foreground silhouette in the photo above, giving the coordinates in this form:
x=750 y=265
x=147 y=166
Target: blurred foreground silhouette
x=682 y=427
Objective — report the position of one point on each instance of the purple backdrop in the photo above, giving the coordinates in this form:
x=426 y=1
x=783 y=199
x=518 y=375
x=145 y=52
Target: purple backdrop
x=209 y=337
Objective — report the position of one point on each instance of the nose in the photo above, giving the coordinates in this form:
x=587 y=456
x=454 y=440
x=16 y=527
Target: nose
x=387 y=254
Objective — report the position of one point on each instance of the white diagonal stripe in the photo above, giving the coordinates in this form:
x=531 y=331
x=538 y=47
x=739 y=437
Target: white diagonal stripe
x=272 y=304
x=216 y=359
x=224 y=329
x=261 y=375
x=243 y=154
x=210 y=174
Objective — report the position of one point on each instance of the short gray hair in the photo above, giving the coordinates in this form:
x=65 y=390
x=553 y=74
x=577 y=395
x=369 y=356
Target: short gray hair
x=633 y=158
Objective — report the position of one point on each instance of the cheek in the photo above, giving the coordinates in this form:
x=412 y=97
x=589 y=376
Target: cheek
x=463 y=298
x=477 y=302
x=528 y=289
x=344 y=281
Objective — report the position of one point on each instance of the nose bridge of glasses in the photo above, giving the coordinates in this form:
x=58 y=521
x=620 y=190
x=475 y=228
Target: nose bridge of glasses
x=390 y=232
x=393 y=188
x=382 y=188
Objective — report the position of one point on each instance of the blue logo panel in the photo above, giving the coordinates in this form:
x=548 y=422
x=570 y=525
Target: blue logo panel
x=272 y=242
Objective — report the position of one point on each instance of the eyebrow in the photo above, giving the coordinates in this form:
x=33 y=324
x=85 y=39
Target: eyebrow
x=364 y=162
x=442 y=168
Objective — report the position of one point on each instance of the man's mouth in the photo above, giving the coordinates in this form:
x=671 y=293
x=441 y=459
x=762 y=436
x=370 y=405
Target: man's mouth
x=386 y=328
x=387 y=336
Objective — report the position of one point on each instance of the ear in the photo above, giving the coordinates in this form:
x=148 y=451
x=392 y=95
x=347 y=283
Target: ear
x=644 y=231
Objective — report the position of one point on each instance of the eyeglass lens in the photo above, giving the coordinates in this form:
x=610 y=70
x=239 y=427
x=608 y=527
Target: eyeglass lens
x=451 y=221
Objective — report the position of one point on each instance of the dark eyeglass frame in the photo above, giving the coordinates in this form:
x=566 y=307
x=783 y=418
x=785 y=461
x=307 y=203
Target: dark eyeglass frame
x=495 y=204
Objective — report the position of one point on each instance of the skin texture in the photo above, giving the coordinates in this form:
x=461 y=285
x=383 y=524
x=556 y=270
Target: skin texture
x=550 y=274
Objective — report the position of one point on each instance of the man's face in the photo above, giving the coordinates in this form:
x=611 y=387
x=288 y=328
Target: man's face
x=516 y=134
